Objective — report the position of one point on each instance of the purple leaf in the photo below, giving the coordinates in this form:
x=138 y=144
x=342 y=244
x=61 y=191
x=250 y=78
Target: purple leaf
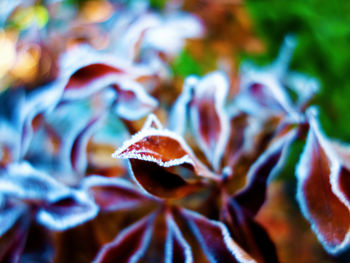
x=113 y=194
x=176 y=247
x=129 y=245
x=214 y=239
x=239 y=124
x=252 y=197
x=248 y=233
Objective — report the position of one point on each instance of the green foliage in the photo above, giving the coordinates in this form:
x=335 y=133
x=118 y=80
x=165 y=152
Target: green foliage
x=158 y=4
x=185 y=65
x=323 y=33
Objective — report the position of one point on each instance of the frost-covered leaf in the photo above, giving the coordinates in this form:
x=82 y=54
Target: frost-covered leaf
x=179 y=112
x=25 y=182
x=214 y=239
x=85 y=71
x=248 y=233
x=208 y=117
x=78 y=153
x=68 y=212
x=253 y=195
x=58 y=206
x=154 y=154
x=170 y=34
x=152 y=122
x=176 y=247
x=132 y=101
x=10 y=213
x=262 y=90
x=129 y=245
x=341 y=181
x=112 y=194
x=235 y=143
x=13 y=241
x=328 y=215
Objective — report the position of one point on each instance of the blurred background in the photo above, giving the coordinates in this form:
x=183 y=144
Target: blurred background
x=34 y=34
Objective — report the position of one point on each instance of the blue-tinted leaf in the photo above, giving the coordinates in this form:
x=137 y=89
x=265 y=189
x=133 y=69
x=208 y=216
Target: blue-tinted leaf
x=68 y=212
x=179 y=112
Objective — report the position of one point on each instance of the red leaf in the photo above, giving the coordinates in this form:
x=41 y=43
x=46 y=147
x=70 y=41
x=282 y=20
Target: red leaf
x=328 y=215
x=154 y=155
x=129 y=245
x=341 y=181
x=85 y=75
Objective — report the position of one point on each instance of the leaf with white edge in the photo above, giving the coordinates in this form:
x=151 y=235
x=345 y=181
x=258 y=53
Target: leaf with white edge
x=10 y=214
x=26 y=183
x=113 y=194
x=154 y=155
x=78 y=153
x=180 y=111
x=160 y=146
x=132 y=102
x=170 y=34
x=68 y=212
x=85 y=71
x=214 y=239
x=235 y=143
x=208 y=116
x=262 y=91
x=129 y=245
x=253 y=195
x=304 y=86
x=162 y=181
x=13 y=241
x=176 y=247
x=341 y=181
x=40 y=101
x=128 y=45
x=248 y=233
x=328 y=215
x=152 y=122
